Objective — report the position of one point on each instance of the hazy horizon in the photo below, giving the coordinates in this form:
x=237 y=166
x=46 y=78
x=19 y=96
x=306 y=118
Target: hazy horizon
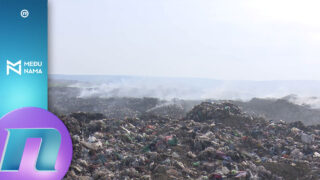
x=188 y=88
x=177 y=77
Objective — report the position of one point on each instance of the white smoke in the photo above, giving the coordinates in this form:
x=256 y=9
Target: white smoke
x=313 y=102
x=197 y=89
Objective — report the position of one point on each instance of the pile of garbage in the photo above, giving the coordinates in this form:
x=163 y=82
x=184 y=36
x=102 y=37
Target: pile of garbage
x=213 y=141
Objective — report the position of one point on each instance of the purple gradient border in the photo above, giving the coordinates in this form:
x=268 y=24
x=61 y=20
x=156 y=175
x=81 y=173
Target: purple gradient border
x=32 y=117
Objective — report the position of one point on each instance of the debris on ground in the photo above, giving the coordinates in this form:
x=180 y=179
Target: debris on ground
x=213 y=141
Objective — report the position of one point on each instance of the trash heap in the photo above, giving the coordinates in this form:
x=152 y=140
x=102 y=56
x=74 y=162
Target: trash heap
x=213 y=141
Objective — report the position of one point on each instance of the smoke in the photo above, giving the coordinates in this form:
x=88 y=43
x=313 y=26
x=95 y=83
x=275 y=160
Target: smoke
x=195 y=89
x=312 y=102
x=140 y=88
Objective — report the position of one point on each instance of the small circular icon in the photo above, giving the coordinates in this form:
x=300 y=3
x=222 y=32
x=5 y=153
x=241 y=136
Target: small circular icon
x=24 y=13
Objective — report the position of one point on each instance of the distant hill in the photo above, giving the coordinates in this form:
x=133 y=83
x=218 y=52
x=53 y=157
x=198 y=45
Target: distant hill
x=280 y=109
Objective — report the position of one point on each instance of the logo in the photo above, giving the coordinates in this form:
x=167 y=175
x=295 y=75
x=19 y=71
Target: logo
x=10 y=66
x=24 y=13
x=48 y=151
x=29 y=67
x=34 y=144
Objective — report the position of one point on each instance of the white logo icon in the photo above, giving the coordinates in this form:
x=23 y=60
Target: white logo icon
x=10 y=66
x=24 y=13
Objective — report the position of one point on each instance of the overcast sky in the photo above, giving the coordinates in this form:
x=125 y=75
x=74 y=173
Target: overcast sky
x=225 y=39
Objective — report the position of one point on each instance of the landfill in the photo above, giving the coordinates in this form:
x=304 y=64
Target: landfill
x=213 y=141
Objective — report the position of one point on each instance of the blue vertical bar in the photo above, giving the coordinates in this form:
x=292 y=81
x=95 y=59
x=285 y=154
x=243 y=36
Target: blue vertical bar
x=23 y=54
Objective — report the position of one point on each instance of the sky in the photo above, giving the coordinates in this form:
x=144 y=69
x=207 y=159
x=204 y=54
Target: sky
x=217 y=39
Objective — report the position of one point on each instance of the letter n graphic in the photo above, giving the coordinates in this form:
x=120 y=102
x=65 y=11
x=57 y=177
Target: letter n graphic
x=15 y=144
